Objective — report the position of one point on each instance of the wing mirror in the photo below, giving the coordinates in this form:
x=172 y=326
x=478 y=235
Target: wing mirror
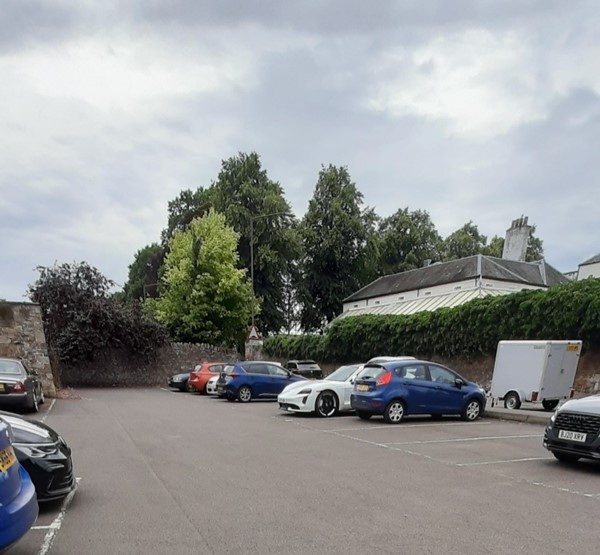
x=459 y=382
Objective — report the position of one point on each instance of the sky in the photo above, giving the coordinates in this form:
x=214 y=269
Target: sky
x=474 y=110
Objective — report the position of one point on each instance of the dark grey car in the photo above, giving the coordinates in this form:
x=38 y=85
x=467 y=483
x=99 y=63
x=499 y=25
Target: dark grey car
x=20 y=386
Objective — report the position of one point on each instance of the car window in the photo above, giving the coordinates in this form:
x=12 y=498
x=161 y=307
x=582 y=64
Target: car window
x=256 y=368
x=277 y=371
x=412 y=372
x=439 y=374
x=10 y=368
x=215 y=368
x=372 y=372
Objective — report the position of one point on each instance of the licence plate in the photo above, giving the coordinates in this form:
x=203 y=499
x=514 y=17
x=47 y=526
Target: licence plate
x=7 y=459
x=362 y=387
x=572 y=436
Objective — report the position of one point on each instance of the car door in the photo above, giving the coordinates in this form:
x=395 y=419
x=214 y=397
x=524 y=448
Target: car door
x=258 y=378
x=280 y=378
x=418 y=387
x=449 y=397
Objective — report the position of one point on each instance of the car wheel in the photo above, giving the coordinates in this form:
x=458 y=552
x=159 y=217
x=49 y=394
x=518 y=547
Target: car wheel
x=566 y=457
x=472 y=410
x=189 y=387
x=512 y=401
x=363 y=415
x=33 y=406
x=327 y=404
x=244 y=394
x=394 y=412
x=549 y=405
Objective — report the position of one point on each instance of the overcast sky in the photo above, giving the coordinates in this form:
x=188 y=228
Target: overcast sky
x=479 y=110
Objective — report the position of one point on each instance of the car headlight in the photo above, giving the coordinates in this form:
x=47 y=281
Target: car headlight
x=37 y=451
x=553 y=417
x=305 y=391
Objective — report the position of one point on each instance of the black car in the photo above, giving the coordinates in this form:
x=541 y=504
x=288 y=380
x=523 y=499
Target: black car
x=20 y=386
x=306 y=368
x=44 y=455
x=180 y=381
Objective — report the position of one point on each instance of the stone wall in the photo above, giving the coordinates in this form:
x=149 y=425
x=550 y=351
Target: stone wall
x=115 y=368
x=22 y=336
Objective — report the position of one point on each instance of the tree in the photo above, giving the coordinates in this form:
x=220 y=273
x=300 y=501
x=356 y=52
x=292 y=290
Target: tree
x=464 y=242
x=204 y=296
x=256 y=208
x=407 y=240
x=144 y=272
x=81 y=319
x=337 y=237
x=183 y=209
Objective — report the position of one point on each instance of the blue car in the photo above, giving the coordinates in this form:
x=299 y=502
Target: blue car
x=401 y=388
x=245 y=381
x=18 y=503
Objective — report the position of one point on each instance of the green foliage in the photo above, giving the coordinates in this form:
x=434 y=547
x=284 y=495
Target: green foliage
x=340 y=253
x=143 y=279
x=407 y=240
x=81 y=319
x=183 y=209
x=464 y=242
x=570 y=311
x=205 y=297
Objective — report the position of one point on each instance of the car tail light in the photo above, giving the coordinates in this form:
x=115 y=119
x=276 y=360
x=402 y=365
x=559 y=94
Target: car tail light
x=19 y=388
x=384 y=380
x=534 y=395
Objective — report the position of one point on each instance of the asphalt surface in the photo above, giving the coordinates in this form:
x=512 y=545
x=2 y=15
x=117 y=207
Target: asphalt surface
x=168 y=472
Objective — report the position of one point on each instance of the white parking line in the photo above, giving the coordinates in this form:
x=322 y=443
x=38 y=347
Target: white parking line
x=48 y=411
x=505 y=461
x=403 y=425
x=57 y=523
x=457 y=440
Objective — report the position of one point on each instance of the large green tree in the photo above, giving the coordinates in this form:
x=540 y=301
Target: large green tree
x=408 y=239
x=464 y=242
x=143 y=278
x=338 y=242
x=256 y=208
x=184 y=208
x=204 y=296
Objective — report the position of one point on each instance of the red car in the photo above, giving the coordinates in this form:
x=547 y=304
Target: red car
x=204 y=372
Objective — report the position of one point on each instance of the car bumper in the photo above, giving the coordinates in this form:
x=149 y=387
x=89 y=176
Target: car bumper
x=13 y=400
x=176 y=385
x=364 y=403
x=590 y=449
x=17 y=517
x=52 y=475
x=297 y=403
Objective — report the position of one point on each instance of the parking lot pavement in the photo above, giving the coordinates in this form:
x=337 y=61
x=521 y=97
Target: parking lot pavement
x=167 y=472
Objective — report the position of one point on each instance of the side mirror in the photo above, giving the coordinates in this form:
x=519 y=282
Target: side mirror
x=458 y=382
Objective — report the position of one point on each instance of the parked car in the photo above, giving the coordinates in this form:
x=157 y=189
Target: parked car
x=180 y=382
x=18 y=504
x=249 y=380
x=306 y=368
x=401 y=388
x=211 y=386
x=202 y=373
x=573 y=431
x=20 y=386
x=44 y=455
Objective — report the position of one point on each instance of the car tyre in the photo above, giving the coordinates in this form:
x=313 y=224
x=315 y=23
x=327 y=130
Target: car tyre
x=363 y=415
x=34 y=406
x=394 y=412
x=327 y=404
x=244 y=394
x=549 y=404
x=472 y=410
x=566 y=457
x=512 y=401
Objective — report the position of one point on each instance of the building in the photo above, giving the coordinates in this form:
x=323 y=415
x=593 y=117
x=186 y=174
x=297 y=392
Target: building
x=453 y=283
x=589 y=268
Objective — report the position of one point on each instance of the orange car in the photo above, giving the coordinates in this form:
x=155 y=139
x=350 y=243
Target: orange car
x=204 y=372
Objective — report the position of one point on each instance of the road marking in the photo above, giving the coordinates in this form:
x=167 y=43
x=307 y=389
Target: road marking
x=505 y=461
x=56 y=524
x=48 y=411
x=457 y=440
x=402 y=426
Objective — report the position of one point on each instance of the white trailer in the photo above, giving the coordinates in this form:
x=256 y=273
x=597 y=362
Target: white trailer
x=535 y=371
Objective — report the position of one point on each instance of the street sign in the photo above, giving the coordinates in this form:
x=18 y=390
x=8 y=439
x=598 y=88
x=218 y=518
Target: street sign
x=253 y=334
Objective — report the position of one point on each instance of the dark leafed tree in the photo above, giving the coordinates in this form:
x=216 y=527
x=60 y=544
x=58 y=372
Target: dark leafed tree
x=144 y=272
x=408 y=239
x=338 y=247
x=183 y=209
x=464 y=242
x=255 y=207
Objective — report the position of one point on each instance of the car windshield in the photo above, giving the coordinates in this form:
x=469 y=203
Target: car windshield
x=371 y=372
x=10 y=368
x=342 y=374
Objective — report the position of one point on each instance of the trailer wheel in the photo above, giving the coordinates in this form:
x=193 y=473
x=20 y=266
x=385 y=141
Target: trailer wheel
x=512 y=400
x=549 y=404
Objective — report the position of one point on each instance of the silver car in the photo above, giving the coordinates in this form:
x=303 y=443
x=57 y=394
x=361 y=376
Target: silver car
x=20 y=386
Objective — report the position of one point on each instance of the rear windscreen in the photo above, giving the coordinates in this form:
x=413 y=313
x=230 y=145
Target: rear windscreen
x=372 y=372
x=10 y=368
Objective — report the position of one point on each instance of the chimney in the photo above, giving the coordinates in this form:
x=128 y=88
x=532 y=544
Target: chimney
x=517 y=240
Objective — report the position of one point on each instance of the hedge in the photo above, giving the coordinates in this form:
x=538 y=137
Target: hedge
x=569 y=311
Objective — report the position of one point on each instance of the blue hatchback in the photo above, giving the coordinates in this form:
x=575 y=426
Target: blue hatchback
x=18 y=503
x=254 y=379
x=397 y=389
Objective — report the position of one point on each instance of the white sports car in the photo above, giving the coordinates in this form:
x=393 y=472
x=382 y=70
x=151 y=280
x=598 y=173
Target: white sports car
x=325 y=397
